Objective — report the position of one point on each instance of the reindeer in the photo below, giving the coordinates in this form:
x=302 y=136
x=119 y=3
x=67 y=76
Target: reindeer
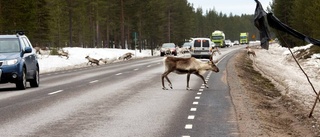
x=92 y=60
x=126 y=56
x=105 y=61
x=250 y=51
x=215 y=49
x=187 y=66
x=63 y=53
x=42 y=51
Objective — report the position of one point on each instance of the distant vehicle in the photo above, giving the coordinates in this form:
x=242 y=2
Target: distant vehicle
x=244 y=38
x=228 y=43
x=186 y=47
x=201 y=48
x=236 y=42
x=218 y=38
x=18 y=61
x=168 y=49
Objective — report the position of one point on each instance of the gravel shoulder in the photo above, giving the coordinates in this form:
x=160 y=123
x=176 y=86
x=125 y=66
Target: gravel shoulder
x=261 y=109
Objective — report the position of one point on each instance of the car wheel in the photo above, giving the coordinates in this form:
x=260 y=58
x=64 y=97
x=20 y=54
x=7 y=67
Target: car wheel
x=35 y=81
x=175 y=53
x=21 y=84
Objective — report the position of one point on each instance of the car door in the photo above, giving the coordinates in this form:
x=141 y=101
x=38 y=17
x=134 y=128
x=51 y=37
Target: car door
x=30 y=58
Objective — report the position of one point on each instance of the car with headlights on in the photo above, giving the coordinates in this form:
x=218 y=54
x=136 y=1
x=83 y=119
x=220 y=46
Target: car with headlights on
x=168 y=49
x=18 y=61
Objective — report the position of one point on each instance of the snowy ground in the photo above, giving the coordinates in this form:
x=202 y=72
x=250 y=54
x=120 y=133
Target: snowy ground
x=278 y=64
x=77 y=58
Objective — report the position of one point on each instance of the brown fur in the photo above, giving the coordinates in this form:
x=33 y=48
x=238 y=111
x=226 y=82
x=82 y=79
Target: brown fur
x=92 y=60
x=186 y=66
x=126 y=56
x=250 y=51
x=215 y=49
x=63 y=53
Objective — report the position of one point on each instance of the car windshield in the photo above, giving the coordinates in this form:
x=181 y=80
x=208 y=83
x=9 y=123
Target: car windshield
x=8 y=45
x=187 y=45
x=217 y=37
x=168 y=45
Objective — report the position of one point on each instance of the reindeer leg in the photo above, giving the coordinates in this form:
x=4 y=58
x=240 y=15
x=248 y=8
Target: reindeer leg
x=188 y=78
x=205 y=83
x=162 y=79
x=165 y=75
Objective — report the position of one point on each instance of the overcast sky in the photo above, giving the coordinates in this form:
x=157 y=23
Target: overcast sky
x=236 y=7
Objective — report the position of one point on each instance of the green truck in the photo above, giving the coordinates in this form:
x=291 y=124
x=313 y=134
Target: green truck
x=244 y=36
x=218 y=37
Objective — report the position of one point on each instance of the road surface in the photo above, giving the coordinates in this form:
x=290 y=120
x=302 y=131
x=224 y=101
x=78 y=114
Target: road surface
x=118 y=100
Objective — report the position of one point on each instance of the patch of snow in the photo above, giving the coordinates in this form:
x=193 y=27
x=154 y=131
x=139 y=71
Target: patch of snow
x=277 y=64
x=77 y=57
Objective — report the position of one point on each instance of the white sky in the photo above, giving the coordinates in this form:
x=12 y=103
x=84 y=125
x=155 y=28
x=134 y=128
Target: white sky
x=236 y=7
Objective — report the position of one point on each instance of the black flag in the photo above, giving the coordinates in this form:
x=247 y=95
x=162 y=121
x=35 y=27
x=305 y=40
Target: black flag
x=261 y=24
x=275 y=23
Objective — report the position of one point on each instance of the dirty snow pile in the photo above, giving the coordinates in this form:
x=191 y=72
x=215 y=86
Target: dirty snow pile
x=279 y=66
x=77 y=58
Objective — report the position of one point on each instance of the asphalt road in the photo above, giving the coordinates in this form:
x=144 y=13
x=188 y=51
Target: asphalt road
x=118 y=100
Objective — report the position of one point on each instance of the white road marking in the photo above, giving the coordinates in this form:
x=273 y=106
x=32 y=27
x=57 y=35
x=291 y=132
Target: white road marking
x=118 y=74
x=191 y=116
x=195 y=103
x=188 y=126
x=193 y=109
x=199 y=93
x=201 y=89
x=197 y=97
x=185 y=136
x=58 y=91
x=136 y=69
x=94 y=81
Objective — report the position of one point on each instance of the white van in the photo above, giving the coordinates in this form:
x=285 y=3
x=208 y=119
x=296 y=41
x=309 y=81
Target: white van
x=201 y=48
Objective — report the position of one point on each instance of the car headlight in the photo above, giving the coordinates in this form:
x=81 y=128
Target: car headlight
x=10 y=62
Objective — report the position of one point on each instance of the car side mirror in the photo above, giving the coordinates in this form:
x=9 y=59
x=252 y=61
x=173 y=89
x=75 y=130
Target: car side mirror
x=27 y=50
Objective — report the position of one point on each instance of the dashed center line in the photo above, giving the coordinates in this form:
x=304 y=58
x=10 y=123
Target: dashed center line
x=58 y=91
x=193 y=109
x=191 y=117
x=188 y=126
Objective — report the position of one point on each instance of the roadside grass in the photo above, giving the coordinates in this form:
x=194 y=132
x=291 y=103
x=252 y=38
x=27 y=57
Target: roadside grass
x=278 y=114
x=307 y=53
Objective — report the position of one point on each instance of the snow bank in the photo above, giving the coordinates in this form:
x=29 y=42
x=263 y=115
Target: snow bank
x=277 y=64
x=77 y=57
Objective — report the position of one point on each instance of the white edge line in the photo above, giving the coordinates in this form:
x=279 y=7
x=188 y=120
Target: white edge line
x=118 y=74
x=93 y=81
x=58 y=91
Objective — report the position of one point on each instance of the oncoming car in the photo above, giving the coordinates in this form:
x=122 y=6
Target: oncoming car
x=18 y=61
x=168 y=49
x=201 y=48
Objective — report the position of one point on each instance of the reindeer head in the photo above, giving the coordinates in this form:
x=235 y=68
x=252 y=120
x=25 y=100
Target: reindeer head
x=213 y=65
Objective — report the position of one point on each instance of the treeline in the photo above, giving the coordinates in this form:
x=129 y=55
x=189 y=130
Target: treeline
x=301 y=15
x=116 y=23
